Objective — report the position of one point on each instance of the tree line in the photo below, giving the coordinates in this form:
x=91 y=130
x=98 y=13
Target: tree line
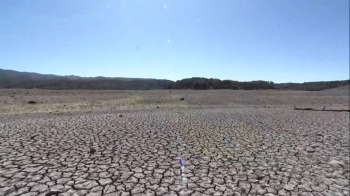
x=212 y=83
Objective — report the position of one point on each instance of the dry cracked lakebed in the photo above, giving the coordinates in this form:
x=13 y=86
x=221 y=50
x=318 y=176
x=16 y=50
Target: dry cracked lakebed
x=227 y=151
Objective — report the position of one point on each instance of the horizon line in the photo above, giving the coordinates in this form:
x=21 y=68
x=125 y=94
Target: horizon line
x=116 y=77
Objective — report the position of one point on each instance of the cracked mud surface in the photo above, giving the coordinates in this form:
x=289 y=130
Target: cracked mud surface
x=227 y=151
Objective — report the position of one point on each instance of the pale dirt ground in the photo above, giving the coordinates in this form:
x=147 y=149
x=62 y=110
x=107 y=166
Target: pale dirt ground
x=14 y=101
x=233 y=142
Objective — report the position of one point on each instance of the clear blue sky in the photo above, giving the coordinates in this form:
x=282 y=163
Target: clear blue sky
x=244 y=40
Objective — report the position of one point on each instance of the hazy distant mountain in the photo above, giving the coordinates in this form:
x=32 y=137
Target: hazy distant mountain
x=15 y=79
x=10 y=74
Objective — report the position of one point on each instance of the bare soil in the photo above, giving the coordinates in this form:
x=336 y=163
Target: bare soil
x=130 y=142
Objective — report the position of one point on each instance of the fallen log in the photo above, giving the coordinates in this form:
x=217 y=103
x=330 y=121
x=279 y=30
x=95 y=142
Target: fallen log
x=324 y=109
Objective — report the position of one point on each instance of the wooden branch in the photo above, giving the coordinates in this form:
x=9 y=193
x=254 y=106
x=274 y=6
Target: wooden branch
x=324 y=109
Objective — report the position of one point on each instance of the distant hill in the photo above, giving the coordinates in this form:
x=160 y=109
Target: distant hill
x=15 y=79
x=10 y=74
x=312 y=86
x=338 y=91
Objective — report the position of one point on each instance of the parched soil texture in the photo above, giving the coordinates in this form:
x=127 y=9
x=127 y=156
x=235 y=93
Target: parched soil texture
x=242 y=143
